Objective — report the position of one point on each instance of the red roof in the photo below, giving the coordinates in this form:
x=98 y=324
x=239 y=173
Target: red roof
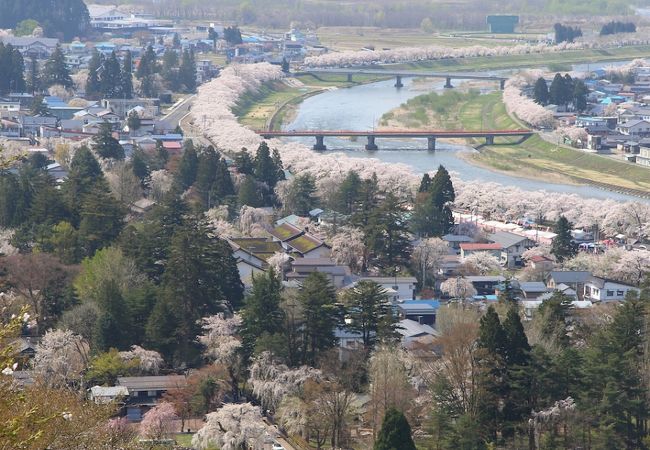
x=471 y=246
x=539 y=258
x=172 y=145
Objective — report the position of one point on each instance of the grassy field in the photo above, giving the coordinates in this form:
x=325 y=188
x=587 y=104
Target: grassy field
x=355 y=38
x=536 y=157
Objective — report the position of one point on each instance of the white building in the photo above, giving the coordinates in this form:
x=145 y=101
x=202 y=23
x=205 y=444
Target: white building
x=400 y=288
x=603 y=290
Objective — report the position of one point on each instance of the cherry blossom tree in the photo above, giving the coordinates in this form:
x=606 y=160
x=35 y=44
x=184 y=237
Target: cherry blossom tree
x=348 y=248
x=220 y=338
x=158 y=422
x=633 y=267
x=428 y=257
x=481 y=263
x=161 y=183
x=460 y=288
x=278 y=261
x=272 y=381
x=149 y=361
x=234 y=427
x=60 y=358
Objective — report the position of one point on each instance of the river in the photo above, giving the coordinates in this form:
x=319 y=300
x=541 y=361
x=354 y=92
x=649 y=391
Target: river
x=361 y=107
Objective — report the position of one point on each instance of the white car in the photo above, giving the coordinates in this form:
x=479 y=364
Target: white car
x=277 y=446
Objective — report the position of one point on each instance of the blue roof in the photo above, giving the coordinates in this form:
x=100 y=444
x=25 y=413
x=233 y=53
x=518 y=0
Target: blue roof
x=489 y=298
x=433 y=304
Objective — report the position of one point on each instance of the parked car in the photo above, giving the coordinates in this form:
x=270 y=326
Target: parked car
x=277 y=446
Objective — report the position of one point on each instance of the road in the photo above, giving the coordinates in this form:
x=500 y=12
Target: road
x=174 y=117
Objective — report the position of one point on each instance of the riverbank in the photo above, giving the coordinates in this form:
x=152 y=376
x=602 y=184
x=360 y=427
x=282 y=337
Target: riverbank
x=276 y=102
x=563 y=58
x=535 y=157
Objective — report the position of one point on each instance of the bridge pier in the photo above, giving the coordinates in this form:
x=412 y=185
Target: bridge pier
x=371 y=144
x=489 y=140
x=398 y=82
x=431 y=144
x=448 y=84
x=320 y=144
x=502 y=84
x=349 y=78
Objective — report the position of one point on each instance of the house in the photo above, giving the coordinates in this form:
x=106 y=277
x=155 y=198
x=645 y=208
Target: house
x=467 y=249
x=251 y=255
x=513 y=247
x=338 y=275
x=598 y=289
x=420 y=311
x=485 y=285
x=414 y=332
x=643 y=157
x=121 y=106
x=36 y=47
x=541 y=263
x=145 y=392
x=634 y=128
x=574 y=279
x=404 y=287
x=32 y=124
x=531 y=290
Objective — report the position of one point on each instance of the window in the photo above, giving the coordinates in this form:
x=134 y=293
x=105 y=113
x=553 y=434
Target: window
x=620 y=292
x=152 y=393
x=395 y=288
x=610 y=293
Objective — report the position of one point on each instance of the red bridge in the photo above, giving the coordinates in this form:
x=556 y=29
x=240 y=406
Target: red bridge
x=430 y=135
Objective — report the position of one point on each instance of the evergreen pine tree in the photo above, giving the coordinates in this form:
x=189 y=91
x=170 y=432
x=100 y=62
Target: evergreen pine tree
x=56 y=71
x=262 y=315
x=249 y=193
x=540 y=94
x=93 y=84
x=425 y=183
x=318 y=300
x=106 y=145
x=302 y=195
x=556 y=90
x=34 y=83
x=370 y=313
x=188 y=167
x=223 y=186
x=563 y=246
x=244 y=163
x=395 y=432
x=126 y=76
x=187 y=71
x=266 y=170
x=140 y=167
x=169 y=70
x=347 y=195
x=208 y=162
x=110 y=79
x=387 y=235
x=113 y=326
x=101 y=220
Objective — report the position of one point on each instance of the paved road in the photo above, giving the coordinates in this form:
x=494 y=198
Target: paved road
x=174 y=117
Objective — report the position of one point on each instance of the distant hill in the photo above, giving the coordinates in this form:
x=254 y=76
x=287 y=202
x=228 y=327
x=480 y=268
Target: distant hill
x=59 y=18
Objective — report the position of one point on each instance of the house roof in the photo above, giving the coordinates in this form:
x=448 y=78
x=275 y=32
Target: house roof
x=539 y=258
x=532 y=286
x=305 y=243
x=172 y=145
x=569 y=276
x=390 y=280
x=260 y=247
x=22 y=41
x=410 y=329
x=485 y=279
x=471 y=246
x=286 y=231
x=151 y=383
x=300 y=262
x=457 y=238
x=600 y=282
x=109 y=391
x=506 y=239
x=419 y=306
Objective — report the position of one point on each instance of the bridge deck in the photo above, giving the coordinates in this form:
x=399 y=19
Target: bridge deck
x=407 y=73
x=395 y=133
